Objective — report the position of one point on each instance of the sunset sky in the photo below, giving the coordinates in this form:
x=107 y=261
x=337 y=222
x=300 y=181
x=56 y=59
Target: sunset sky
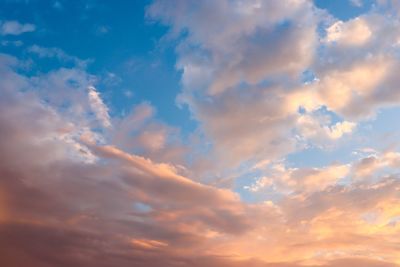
x=200 y=133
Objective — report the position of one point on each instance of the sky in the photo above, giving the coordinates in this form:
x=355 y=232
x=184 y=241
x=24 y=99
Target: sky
x=193 y=133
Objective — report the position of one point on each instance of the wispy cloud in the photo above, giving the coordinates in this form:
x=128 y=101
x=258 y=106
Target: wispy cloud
x=54 y=52
x=98 y=106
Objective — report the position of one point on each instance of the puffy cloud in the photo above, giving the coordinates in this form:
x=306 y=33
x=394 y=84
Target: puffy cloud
x=354 y=90
x=249 y=124
x=300 y=180
x=354 y=32
x=340 y=128
x=356 y=69
x=320 y=129
x=371 y=164
x=13 y=27
x=231 y=89
x=260 y=46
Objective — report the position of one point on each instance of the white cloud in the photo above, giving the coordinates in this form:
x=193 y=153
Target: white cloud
x=226 y=69
x=357 y=72
x=321 y=130
x=300 y=180
x=354 y=32
x=98 y=107
x=339 y=129
x=13 y=27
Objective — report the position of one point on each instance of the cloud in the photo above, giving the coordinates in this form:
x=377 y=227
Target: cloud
x=253 y=37
x=102 y=30
x=54 y=52
x=354 y=32
x=252 y=109
x=390 y=6
x=357 y=3
x=13 y=27
x=247 y=95
x=370 y=165
x=75 y=191
x=72 y=199
x=60 y=209
x=358 y=79
x=300 y=180
x=141 y=132
x=321 y=130
x=55 y=185
x=12 y=43
x=98 y=107
x=252 y=105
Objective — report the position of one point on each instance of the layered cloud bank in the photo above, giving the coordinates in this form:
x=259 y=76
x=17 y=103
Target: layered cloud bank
x=263 y=79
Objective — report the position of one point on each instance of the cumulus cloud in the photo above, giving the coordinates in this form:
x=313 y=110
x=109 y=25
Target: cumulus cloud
x=370 y=165
x=354 y=32
x=251 y=56
x=356 y=71
x=13 y=27
x=247 y=96
x=300 y=180
x=232 y=90
x=320 y=130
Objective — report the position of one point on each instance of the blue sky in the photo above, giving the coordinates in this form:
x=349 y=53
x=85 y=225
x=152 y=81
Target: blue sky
x=117 y=40
x=210 y=133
